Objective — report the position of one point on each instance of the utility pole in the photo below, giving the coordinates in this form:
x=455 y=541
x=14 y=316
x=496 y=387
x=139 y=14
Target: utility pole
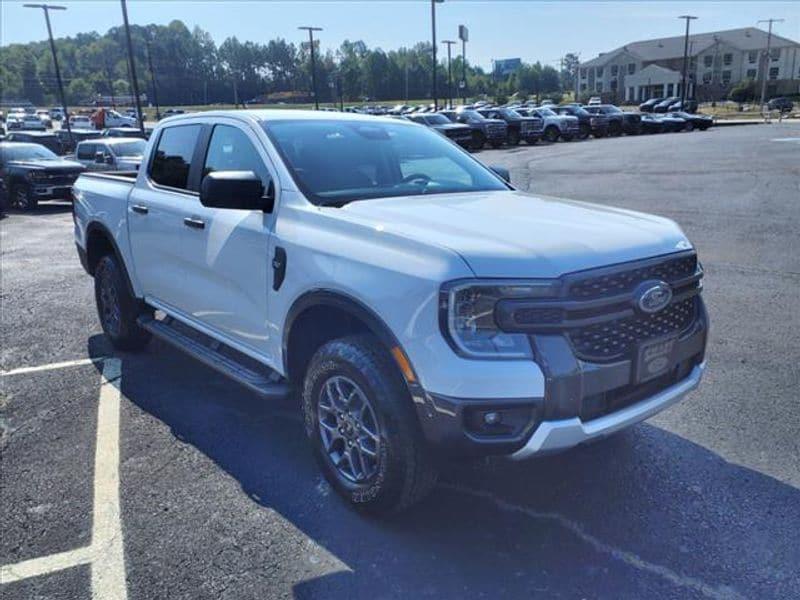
x=688 y=18
x=311 y=31
x=134 y=81
x=433 y=46
x=47 y=8
x=765 y=69
x=449 y=44
x=153 y=77
x=463 y=35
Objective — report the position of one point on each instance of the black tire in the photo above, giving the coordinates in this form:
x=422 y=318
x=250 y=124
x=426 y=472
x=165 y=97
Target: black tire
x=402 y=472
x=551 y=133
x=614 y=129
x=478 y=140
x=496 y=145
x=600 y=134
x=117 y=308
x=584 y=131
x=513 y=138
x=22 y=198
x=567 y=137
x=689 y=126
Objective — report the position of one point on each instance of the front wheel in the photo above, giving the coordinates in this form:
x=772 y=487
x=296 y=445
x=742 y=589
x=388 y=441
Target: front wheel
x=117 y=308
x=584 y=131
x=689 y=126
x=551 y=134
x=22 y=198
x=362 y=426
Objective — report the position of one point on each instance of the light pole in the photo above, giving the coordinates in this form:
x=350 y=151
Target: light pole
x=463 y=35
x=433 y=38
x=153 y=77
x=47 y=8
x=134 y=80
x=685 y=58
x=449 y=44
x=765 y=69
x=311 y=31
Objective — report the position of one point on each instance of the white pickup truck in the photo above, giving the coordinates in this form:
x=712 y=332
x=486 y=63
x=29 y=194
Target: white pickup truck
x=421 y=307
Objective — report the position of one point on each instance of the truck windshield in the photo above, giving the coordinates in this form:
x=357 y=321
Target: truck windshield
x=336 y=162
x=437 y=120
x=12 y=152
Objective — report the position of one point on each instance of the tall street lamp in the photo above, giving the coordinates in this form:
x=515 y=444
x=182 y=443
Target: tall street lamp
x=463 y=35
x=134 y=80
x=311 y=31
x=449 y=44
x=152 y=77
x=688 y=18
x=433 y=46
x=765 y=67
x=46 y=8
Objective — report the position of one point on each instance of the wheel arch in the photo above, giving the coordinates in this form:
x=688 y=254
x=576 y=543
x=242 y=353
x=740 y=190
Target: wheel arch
x=338 y=314
x=99 y=241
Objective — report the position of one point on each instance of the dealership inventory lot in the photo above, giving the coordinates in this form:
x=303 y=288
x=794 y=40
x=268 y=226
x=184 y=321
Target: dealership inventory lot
x=220 y=497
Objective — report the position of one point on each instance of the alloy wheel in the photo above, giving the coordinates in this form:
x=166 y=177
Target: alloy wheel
x=349 y=429
x=109 y=304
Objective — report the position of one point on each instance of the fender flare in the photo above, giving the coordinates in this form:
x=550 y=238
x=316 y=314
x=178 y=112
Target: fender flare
x=95 y=227
x=355 y=308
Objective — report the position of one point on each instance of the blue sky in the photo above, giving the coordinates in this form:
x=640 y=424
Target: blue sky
x=527 y=29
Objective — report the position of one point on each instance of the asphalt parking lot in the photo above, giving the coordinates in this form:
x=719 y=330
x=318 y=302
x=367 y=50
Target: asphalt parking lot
x=215 y=493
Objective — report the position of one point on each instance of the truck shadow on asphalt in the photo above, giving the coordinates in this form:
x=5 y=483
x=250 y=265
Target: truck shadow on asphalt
x=643 y=514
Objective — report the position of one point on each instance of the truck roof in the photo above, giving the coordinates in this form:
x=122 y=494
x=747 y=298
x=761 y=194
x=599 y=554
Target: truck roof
x=267 y=115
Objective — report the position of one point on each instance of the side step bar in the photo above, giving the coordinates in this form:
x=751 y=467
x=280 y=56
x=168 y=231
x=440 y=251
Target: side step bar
x=208 y=351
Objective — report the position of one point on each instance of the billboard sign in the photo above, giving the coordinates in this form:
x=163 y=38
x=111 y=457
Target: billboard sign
x=506 y=66
x=463 y=33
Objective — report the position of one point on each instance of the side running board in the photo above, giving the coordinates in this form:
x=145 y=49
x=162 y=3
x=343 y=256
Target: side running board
x=246 y=371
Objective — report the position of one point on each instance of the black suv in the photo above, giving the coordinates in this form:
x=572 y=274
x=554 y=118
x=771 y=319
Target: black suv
x=483 y=129
x=588 y=123
x=460 y=134
x=520 y=128
x=782 y=104
x=30 y=173
x=48 y=140
x=619 y=122
x=649 y=105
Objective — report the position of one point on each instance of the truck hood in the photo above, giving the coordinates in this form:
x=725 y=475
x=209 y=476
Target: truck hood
x=512 y=234
x=49 y=164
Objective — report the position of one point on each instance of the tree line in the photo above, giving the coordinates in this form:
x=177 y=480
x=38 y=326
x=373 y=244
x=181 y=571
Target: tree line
x=190 y=68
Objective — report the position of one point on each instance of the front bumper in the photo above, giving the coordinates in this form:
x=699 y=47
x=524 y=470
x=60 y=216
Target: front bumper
x=554 y=436
x=52 y=192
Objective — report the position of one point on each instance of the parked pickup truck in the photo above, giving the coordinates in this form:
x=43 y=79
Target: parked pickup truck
x=421 y=307
x=31 y=173
x=527 y=129
x=484 y=130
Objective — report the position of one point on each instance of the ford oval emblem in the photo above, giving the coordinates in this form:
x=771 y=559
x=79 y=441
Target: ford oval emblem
x=653 y=296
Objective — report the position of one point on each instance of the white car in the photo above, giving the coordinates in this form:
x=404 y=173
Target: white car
x=115 y=119
x=420 y=305
x=44 y=117
x=595 y=101
x=111 y=154
x=32 y=122
x=80 y=122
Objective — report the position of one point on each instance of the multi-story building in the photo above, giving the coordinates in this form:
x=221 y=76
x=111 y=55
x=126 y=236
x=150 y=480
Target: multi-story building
x=717 y=61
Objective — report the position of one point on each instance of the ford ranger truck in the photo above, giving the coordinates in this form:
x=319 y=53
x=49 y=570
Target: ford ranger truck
x=419 y=306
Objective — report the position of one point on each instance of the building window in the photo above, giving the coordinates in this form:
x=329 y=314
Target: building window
x=726 y=77
x=727 y=59
x=631 y=68
x=583 y=73
x=751 y=73
x=583 y=87
x=773 y=72
x=613 y=85
x=631 y=93
x=598 y=72
x=598 y=86
x=707 y=77
x=775 y=54
x=670 y=87
x=752 y=56
x=708 y=60
x=614 y=70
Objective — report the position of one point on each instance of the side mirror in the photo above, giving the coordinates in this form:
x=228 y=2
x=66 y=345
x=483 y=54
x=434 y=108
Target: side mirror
x=100 y=158
x=502 y=172
x=240 y=190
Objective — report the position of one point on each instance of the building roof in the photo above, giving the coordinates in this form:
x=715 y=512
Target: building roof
x=747 y=38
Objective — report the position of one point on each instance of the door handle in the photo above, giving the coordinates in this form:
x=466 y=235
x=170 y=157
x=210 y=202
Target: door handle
x=194 y=223
x=139 y=208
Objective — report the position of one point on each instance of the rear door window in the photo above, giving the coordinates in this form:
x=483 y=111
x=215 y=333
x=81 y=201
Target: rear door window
x=172 y=160
x=87 y=151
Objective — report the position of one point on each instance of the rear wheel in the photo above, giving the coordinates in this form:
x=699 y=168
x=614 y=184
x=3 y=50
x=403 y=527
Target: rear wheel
x=551 y=133
x=363 y=428
x=117 y=308
x=689 y=126
x=22 y=198
x=614 y=129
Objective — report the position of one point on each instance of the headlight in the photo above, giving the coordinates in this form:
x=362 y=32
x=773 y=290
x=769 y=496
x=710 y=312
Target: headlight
x=467 y=316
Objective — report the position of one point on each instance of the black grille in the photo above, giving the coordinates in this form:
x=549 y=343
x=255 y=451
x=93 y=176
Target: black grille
x=620 y=282
x=616 y=339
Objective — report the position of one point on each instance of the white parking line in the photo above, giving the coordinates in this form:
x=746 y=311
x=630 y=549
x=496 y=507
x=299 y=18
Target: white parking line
x=106 y=554
x=52 y=366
